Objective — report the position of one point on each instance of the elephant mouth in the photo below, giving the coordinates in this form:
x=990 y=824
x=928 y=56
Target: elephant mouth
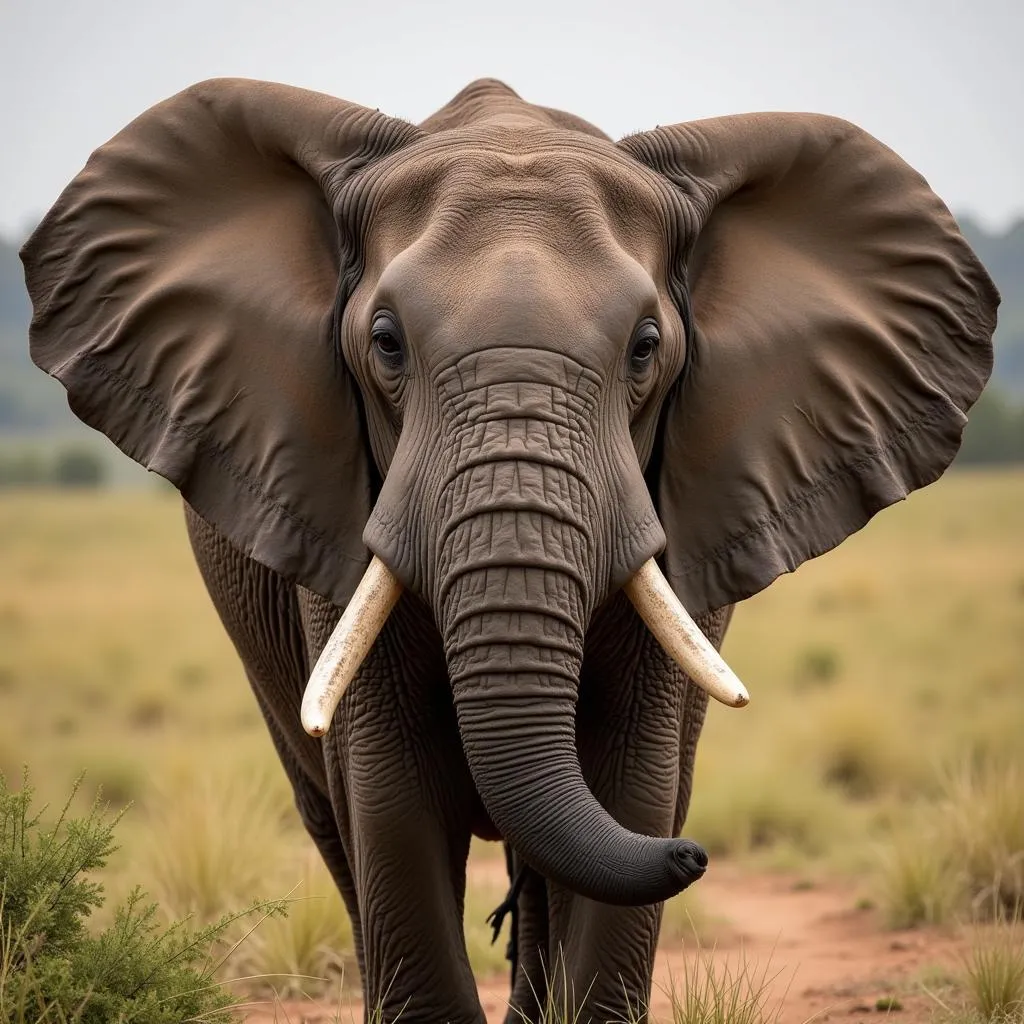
x=648 y=590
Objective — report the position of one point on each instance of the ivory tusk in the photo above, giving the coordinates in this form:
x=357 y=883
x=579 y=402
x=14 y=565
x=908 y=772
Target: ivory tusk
x=362 y=620
x=669 y=621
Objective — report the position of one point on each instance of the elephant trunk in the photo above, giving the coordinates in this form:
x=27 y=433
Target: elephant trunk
x=513 y=627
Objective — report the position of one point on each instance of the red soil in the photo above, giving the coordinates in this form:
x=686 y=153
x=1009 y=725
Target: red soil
x=829 y=959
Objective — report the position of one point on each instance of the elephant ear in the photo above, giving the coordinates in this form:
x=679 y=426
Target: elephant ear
x=184 y=290
x=842 y=329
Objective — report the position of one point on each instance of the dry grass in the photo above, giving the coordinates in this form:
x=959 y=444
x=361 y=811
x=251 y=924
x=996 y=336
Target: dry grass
x=212 y=842
x=959 y=855
x=686 y=920
x=729 y=990
x=989 y=987
x=311 y=947
x=994 y=975
x=870 y=669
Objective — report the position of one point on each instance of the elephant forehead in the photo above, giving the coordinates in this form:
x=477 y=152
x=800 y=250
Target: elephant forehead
x=515 y=295
x=515 y=238
x=474 y=188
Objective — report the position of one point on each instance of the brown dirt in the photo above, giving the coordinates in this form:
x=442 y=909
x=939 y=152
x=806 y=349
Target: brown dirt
x=829 y=959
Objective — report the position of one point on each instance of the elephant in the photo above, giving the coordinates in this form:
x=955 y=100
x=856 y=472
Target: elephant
x=480 y=384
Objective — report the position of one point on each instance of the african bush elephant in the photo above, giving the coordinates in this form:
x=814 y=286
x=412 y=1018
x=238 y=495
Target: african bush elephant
x=514 y=361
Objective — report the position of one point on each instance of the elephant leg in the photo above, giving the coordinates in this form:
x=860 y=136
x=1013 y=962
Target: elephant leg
x=408 y=800
x=318 y=816
x=714 y=626
x=528 y=943
x=638 y=720
x=262 y=615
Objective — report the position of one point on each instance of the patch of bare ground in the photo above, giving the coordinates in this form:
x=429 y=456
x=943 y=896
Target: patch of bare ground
x=828 y=958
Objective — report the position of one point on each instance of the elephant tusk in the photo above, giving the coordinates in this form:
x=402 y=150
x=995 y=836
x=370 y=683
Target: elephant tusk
x=681 y=637
x=353 y=636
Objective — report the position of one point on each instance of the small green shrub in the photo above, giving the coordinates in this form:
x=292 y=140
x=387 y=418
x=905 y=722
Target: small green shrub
x=817 y=666
x=36 y=466
x=21 y=469
x=53 y=970
x=79 y=467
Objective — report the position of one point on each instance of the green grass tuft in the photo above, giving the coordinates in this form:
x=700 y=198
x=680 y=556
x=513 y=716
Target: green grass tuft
x=989 y=988
x=919 y=884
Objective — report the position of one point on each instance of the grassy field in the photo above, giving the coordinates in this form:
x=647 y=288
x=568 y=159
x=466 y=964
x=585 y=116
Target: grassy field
x=888 y=702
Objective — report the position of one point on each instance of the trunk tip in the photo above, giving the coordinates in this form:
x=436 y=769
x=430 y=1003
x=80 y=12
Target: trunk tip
x=688 y=862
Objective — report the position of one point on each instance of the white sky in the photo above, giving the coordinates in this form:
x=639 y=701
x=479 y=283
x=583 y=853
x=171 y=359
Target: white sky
x=941 y=81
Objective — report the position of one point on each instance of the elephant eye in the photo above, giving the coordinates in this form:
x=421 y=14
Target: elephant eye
x=387 y=341
x=645 y=347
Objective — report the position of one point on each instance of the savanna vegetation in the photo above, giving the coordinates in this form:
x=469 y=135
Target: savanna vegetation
x=54 y=969
x=885 y=739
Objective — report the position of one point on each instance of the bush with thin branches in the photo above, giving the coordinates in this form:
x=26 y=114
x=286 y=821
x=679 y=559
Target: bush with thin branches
x=53 y=969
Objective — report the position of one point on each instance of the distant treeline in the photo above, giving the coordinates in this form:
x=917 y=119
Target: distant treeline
x=72 y=466
x=995 y=430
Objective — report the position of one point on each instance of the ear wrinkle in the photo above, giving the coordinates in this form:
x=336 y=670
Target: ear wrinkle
x=842 y=329
x=189 y=287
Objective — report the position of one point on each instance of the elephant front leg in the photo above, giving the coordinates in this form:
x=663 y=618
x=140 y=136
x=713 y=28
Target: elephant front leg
x=409 y=800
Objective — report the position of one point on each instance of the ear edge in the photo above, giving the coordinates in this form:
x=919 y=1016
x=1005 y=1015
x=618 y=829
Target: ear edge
x=749 y=559
x=204 y=473
x=143 y=423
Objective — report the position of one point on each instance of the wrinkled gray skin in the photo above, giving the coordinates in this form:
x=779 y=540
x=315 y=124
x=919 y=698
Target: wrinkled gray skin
x=391 y=804
x=525 y=456
x=523 y=542
x=518 y=549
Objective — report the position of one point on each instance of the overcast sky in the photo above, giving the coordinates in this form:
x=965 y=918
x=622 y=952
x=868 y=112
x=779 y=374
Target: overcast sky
x=941 y=81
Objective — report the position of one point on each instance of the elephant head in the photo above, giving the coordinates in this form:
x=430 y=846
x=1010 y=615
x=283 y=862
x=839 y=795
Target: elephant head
x=514 y=361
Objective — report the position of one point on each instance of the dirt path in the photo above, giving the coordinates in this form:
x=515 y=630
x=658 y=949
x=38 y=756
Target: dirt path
x=829 y=959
